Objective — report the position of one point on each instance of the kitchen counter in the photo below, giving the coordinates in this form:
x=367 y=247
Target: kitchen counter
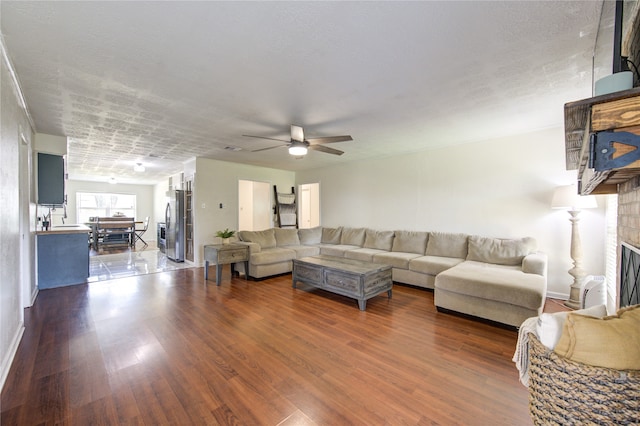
x=63 y=256
x=66 y=229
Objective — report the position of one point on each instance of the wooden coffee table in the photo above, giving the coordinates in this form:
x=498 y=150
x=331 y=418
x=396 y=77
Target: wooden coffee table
x=348 y=277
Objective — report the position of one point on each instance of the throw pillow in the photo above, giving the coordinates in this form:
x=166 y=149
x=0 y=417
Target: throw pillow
x=549 y=326
x=610 y=342
x=331 y=235
x=500 y=251
x=310 y=236
x=286 y=237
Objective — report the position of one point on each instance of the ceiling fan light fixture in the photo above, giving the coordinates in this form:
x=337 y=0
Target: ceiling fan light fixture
x=297 y=150
x=138 y=167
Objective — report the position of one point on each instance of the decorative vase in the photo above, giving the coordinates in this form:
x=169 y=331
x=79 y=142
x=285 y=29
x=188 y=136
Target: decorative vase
x=225 y=241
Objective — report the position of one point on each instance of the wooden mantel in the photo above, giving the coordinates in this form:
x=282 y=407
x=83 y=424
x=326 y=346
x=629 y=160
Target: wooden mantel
x=618 y=111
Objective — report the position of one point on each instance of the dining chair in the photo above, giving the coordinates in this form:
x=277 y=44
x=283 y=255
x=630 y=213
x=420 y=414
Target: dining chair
x=140 y=231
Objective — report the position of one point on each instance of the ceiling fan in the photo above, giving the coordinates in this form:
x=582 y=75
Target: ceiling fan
x=298 y=145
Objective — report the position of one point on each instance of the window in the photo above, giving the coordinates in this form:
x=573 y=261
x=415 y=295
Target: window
x=91 y=204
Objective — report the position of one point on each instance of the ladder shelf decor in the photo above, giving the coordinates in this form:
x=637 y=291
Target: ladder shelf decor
x=286 y=209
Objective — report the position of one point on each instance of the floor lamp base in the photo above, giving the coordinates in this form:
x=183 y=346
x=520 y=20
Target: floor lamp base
x=574 y=297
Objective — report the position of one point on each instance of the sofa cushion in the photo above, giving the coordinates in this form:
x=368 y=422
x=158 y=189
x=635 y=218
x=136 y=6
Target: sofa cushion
x=447 y=244
x=310 y=236
x=381 y=240
x=410 y=242
x=272 y=255
x=433 y=265
x=331 y=235
x=395 y=259
x=610 y=342
x=500 y=251
x=364 y=254
x=304 y=251
x=286 y=237
x=266 y=238
x=337 y=250
x=507 y=284
x=352 y=236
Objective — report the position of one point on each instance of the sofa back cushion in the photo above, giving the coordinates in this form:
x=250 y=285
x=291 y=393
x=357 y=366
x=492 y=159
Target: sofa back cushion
x=310 y=236
x=331 y=235
x=266 y=239
x=286 y=237
x=500 y=251
x=381 y=240
x=447 y=245
x=410 y=241
x=352 y=236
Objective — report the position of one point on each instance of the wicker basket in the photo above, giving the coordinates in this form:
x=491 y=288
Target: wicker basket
x=564 y=392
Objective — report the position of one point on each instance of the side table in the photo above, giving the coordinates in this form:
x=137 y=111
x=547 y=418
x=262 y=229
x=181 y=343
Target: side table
x=223 y=254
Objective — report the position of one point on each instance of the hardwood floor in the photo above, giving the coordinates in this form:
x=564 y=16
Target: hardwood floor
x=167 y=349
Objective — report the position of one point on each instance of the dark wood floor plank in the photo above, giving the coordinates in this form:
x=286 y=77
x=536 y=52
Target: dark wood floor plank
x=170 y=348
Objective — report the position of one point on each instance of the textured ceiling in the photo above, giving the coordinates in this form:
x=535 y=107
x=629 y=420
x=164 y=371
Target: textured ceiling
x=164 y=82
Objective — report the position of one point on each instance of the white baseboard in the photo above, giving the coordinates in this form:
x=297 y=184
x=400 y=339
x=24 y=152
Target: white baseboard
x=554 y=295
x=33 y=296
x=11 y=353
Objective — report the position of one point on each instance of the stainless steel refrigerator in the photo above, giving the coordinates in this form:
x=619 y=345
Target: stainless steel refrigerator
x=175 y=221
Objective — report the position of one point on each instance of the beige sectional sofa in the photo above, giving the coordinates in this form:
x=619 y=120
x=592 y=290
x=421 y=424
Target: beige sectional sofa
x=502 y=280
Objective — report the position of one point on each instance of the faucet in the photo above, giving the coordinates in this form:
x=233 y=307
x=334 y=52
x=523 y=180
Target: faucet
x=46 y=221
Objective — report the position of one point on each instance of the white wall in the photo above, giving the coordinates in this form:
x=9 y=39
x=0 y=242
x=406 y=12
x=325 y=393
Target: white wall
x=14 y=285
x=216 y=182
x=499 y=188
x=145 y=202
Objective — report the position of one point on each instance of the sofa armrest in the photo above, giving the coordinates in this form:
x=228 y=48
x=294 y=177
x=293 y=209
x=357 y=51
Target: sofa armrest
x=253 y=247
x=535 y=263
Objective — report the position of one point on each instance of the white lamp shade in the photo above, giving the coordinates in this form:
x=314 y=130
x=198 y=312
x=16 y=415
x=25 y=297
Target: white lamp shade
x=567 y=197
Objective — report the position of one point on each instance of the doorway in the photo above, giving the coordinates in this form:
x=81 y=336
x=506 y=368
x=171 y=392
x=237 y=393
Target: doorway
x=309 y=206
x=254 y=205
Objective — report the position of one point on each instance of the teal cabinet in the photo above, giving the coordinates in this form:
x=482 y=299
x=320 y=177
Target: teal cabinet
x=50 y=179
x=63 y=259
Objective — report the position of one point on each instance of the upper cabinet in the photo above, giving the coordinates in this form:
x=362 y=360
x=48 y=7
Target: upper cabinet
x=50 y=179
x=602 y=140
x=50 y=168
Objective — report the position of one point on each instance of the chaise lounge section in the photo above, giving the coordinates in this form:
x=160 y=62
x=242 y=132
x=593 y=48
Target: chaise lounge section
x=502 y=280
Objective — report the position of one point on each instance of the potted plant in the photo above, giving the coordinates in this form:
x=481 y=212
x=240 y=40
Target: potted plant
x=225 y=235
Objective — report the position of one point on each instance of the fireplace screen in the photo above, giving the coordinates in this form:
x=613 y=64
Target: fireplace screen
x=629 y=275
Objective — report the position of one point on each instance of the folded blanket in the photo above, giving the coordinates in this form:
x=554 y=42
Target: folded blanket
x=521 y=355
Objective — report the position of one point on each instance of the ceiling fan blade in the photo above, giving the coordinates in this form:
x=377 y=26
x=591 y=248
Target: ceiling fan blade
x=297 y=134
x=326 y=149
x=330 y=139
x=262 y=137
x=271 y=147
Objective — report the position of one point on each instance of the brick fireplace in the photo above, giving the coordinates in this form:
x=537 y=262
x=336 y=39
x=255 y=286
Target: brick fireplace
x=629 y=212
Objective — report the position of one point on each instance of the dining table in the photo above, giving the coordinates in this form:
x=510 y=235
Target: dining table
x=112 y=225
